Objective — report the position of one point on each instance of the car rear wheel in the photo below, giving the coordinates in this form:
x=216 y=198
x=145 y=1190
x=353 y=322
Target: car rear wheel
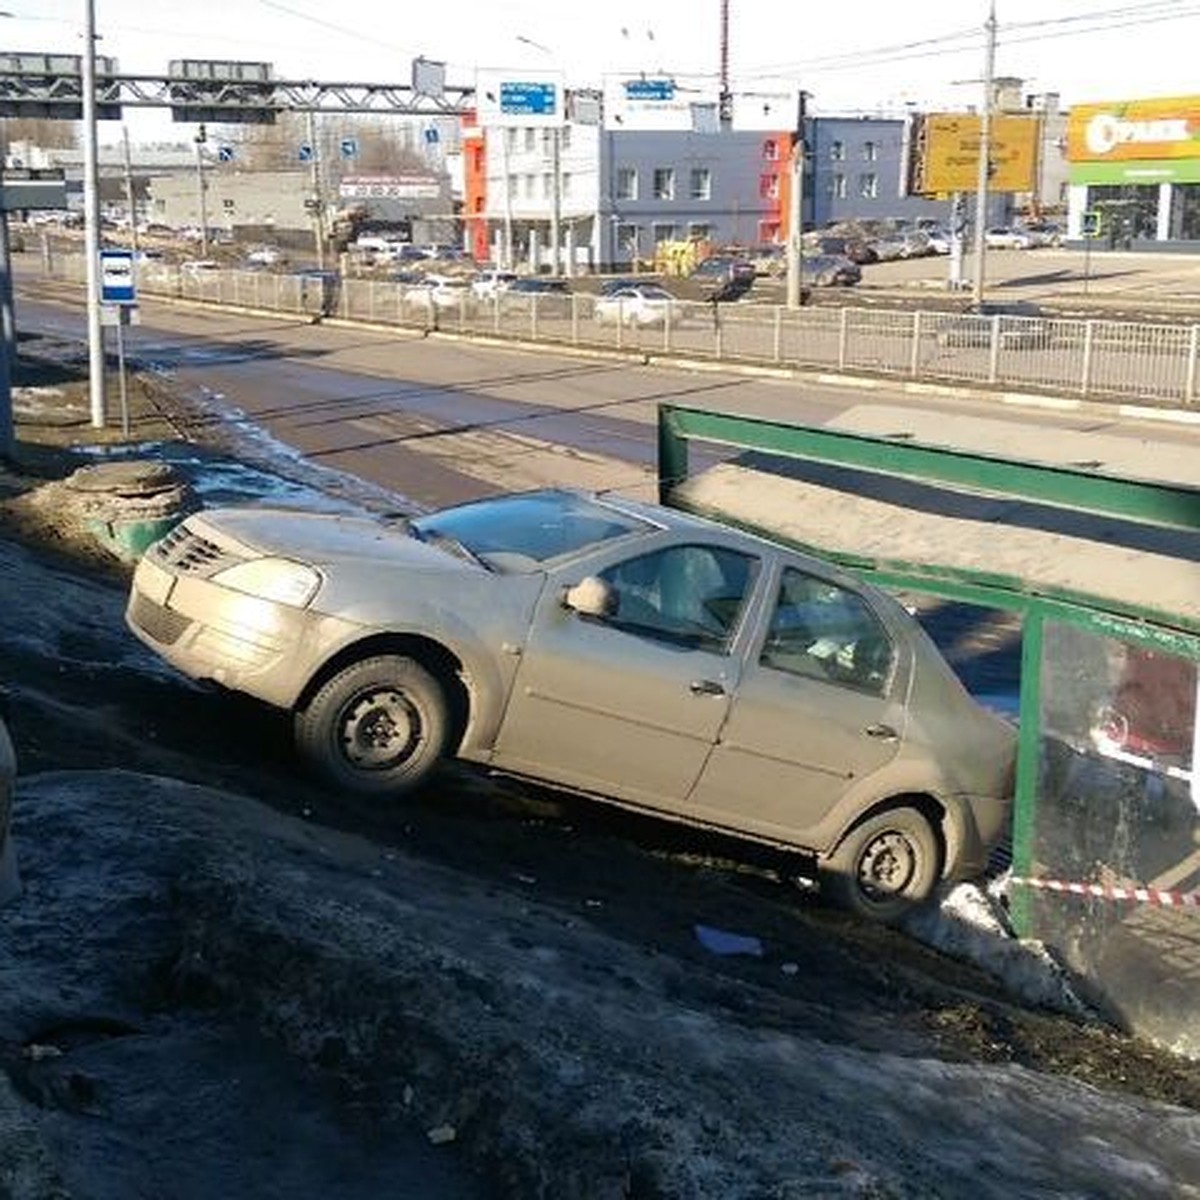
x=885 y=866
x=376 y=728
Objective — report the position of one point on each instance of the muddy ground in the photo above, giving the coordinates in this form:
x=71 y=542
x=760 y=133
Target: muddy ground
x=223 y=982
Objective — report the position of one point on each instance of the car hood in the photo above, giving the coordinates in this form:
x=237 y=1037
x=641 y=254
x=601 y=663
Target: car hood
x=320 y=539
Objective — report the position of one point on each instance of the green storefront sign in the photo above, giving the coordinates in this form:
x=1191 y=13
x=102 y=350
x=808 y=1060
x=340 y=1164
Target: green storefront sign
x=1143 y=171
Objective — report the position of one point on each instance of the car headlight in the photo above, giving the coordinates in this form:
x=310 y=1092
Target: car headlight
x=277 y=579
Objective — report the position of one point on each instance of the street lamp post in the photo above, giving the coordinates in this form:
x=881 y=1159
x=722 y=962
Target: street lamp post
x=91 y=220
x=202 y=190
x=985 y=153
x=795 y=243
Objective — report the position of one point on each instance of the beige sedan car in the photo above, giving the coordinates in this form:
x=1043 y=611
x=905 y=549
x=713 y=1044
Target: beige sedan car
x=622 y=650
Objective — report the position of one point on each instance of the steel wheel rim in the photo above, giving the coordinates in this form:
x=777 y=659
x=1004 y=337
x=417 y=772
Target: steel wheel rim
x=889 y=864
x=379 y=729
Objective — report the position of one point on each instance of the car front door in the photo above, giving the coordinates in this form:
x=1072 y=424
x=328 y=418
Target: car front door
x=818 y=709
x=630 y=704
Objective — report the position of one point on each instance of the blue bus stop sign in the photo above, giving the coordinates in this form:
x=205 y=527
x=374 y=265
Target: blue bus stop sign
x=116 y=277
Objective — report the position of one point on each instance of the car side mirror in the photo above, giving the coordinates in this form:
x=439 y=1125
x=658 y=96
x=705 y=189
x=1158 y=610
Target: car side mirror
x=591 y=597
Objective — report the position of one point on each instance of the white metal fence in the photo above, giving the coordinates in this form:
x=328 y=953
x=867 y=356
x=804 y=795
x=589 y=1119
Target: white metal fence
x=1103 y=359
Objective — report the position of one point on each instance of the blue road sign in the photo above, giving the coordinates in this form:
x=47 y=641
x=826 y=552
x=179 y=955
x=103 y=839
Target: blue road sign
x=225 y=153
x=116 y=277
x=349 y=147
x=304 y=152
x=431 y=137
x=528 y=99
x=650 y=89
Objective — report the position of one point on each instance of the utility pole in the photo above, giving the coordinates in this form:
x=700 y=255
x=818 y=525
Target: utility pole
x=985 y=152
x=91 y=220
x=130 y=202
x=201 y=190
x=556 y=210
x=795 y=255
x=318 y=204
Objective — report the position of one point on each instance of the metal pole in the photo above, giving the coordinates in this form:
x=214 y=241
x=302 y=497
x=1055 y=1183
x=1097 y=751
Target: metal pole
x=318 y=216
x=556 y=211
x=130 y=202
x=985 y=152
x=507 y=263
x=91 y=220
x=201 y=198
x=796 y=210
x=122 y=317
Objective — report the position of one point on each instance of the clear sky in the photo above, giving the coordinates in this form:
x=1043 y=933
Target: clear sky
x=854 y=56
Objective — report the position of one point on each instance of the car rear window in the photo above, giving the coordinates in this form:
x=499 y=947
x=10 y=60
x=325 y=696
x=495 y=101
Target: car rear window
x=537 y=526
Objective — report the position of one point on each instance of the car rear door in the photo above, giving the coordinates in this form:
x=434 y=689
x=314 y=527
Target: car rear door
x=819 y=708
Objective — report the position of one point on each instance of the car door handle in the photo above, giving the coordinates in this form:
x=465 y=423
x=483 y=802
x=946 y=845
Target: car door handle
x=706 y=687
x=885 y=733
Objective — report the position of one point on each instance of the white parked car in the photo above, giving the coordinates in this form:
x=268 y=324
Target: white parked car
x=438 y=293
x=641 y=306
x=1001 y=238
x=487 y=285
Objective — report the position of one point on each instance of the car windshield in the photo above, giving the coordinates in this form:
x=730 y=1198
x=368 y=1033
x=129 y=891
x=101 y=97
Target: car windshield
x=534 y=526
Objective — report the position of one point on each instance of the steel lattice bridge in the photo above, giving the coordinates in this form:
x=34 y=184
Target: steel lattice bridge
x=50 y=86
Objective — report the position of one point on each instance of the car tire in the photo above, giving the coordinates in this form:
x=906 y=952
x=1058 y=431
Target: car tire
x=885 y=866
x=377 y=728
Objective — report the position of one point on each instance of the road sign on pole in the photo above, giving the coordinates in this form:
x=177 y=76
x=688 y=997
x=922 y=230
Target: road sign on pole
x=304 y=152
x=226 y=154
x=348 y=147
x=116 y=277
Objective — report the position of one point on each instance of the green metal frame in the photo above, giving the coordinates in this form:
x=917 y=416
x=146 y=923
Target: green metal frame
x=1154 y=504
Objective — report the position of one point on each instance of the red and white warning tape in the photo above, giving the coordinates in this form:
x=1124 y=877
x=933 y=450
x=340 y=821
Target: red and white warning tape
x=1106 y=891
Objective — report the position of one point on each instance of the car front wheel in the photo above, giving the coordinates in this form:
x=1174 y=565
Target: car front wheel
x=885 y=866
x=377 y=728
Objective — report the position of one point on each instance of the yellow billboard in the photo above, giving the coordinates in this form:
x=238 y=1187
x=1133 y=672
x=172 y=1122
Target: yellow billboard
x=947 y=153
x=1127 y=130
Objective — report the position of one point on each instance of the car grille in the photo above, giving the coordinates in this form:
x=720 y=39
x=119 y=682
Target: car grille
x=191 y=554
x=162 y=624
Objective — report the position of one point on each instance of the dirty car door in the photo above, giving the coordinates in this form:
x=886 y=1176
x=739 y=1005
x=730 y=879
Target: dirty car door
x=818 y=711
x=631 y=704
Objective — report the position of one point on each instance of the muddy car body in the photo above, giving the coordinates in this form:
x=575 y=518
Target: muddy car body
x=621 y=650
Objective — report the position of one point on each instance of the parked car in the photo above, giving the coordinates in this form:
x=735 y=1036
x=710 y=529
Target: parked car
x=641 y=306
x=488 y=283
x=438 y=294
x=857 y=250
x=623 y=650
x=199 y=266
x=893 y=246
x=264 y=256
x=1022 y=325
x=723 y=277
x=829 y=270
x=1044 y=233
x=1004 y=238
x=550 y=297
x=9 y=881
x=620 y=282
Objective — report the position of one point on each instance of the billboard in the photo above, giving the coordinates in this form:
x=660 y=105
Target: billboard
x=1133 y=130
x=767 y=112
x=945 y=153
x=519 y=97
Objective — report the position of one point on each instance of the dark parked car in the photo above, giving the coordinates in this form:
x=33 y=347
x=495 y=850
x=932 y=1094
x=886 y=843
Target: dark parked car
x=550 y=297
x=829 y=270
x=1022 y=325
x=723 y=277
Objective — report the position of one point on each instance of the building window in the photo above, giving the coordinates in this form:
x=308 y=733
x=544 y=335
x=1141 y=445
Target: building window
x=868 y=186
x=627 y=183
x=701 y=184
x=510 y=138
x=664 y=233
x=513 y=181
x=768 y=186
x=837 y=151
x=565 y=186
x=771 y=150
x=627 y=240
x=477 y=158
x=700 y=230
x=837 y=187
x=664 y=183
x=564 y=138
x=530 y=184
x=870 y=151
x=530 y=139
x=547 y=186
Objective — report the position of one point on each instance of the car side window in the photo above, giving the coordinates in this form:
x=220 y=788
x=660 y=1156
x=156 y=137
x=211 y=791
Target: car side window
x=687 y=595
x=826 y=632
